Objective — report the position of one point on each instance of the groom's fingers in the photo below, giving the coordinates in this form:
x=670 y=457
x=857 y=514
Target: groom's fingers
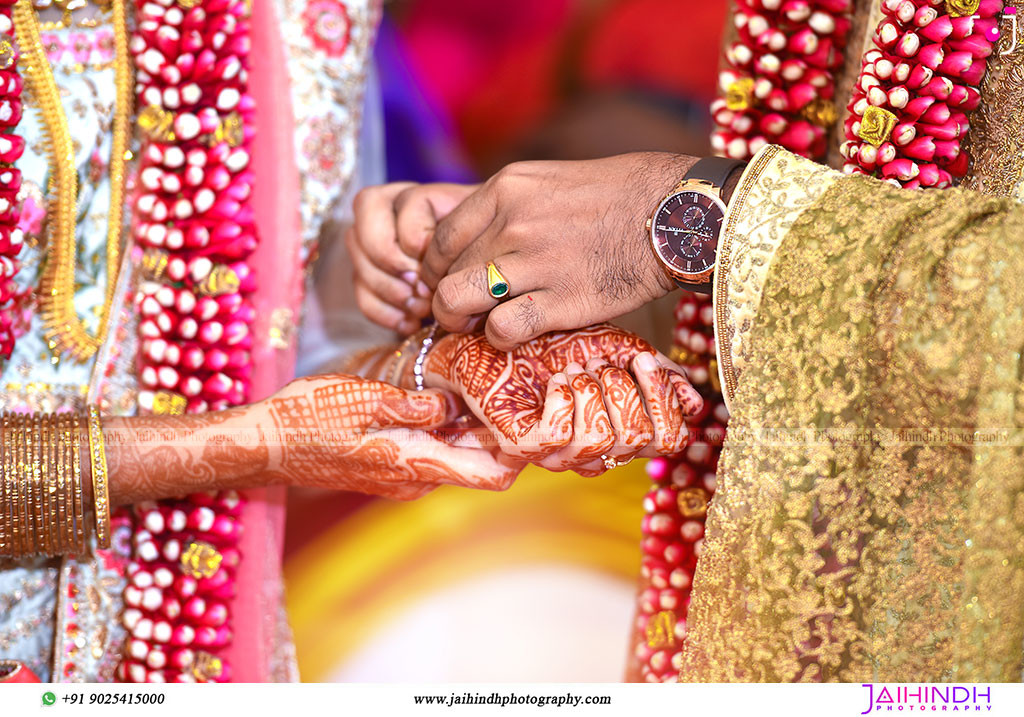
x=380 y=312
x=456 y=231
x=387 y=287
x=525 y=317
x=464 y=295
x=418 y=210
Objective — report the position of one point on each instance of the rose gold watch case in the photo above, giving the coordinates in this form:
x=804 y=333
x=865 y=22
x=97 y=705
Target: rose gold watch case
x=698 y=186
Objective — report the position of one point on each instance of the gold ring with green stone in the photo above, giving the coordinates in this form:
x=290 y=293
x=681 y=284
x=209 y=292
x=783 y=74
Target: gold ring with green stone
x=497 y=284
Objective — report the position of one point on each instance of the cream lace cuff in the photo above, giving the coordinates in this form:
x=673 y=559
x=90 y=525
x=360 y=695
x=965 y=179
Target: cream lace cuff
x=775 y=189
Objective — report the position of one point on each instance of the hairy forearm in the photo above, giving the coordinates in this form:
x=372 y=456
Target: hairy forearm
x=152 y=457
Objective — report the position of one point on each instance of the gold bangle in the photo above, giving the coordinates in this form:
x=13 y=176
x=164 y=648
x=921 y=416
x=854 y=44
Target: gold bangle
x=42 y=481
x=31 y=469
x=6 y=516
x=39 y=477
x=76 y=476
x=17 y=504
x=98 y=464
x=56 y=470
x=25 y=486
x=394 y=369
x=52 y=483
x=10 y=454
x=45 y=480
x=67 y=517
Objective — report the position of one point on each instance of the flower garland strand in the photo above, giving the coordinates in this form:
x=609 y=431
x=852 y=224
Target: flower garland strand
x=779 y=76
x=11 y=148
x=194 y=229
x=676 y=506
x=908 y=114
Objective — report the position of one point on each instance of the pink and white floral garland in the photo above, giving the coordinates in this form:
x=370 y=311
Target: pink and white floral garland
x=194 y=227
x=675 y=508
x=908 y=114
x=779 y=79
x=180 y=584
x=11 y=148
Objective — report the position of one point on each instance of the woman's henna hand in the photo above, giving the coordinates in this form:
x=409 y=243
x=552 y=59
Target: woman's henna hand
x=335 y=431
x=564 y=400
x=349 y=433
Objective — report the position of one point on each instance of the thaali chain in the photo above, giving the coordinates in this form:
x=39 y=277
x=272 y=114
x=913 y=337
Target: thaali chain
x=65 y=331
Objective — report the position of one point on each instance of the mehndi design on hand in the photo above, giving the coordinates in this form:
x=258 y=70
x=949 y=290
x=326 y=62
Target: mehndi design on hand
x=349 y=433
x=565 y=400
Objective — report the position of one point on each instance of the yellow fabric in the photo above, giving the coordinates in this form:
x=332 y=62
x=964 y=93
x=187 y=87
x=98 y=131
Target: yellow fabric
x=367 y=569
x=775 y=188
x=869 y=521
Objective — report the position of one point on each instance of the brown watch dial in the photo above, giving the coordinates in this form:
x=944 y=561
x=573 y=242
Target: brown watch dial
x=685 y=230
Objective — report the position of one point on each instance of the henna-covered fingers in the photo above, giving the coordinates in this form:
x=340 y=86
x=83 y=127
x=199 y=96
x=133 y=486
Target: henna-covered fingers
x=689 y=397
x=671 y=432
x=465 y=461
x=423 y=410
x=593 y=435
x=532 y=438
x=632 y=426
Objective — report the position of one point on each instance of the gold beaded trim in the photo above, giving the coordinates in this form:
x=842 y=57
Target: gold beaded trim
x=6 y=505
x=65 y=331
x=76 y=473
x=100 y=491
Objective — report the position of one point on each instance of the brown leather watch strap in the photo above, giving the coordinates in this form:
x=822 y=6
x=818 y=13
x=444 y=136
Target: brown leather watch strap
x=713 y=169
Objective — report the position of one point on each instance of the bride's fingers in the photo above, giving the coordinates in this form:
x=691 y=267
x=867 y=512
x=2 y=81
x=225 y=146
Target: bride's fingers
x=663 y=406
x=388 y=406
x=435 y=462
x=689 y=397
x=625 y=406
x=536 y=434
x=593 y=435
x=380 y=312
x=592 y=469
x=554 y=430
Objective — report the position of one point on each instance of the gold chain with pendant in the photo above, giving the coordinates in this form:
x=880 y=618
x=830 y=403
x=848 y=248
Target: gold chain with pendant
x=65 y=331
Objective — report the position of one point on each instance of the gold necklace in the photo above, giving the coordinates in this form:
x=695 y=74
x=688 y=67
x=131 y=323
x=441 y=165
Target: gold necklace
x=65 y=331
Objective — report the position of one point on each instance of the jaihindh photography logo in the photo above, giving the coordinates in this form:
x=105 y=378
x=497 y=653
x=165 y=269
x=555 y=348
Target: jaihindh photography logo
x=928 y=698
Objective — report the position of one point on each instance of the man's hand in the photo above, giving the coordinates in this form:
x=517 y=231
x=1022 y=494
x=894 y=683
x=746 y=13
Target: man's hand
x=570 y=238
x=568 y=400
x=393 y=225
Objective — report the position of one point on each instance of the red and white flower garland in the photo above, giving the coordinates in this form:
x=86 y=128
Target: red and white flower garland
x=180 y=583
x=676 y=506
x=908 y=113
x=11 y=148
x=194 y=226
x=779 y=83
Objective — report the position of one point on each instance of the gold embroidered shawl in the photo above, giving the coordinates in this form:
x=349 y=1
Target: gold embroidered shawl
x=869 y=520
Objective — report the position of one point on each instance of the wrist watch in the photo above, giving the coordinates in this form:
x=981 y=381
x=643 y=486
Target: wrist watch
x=686 y=225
